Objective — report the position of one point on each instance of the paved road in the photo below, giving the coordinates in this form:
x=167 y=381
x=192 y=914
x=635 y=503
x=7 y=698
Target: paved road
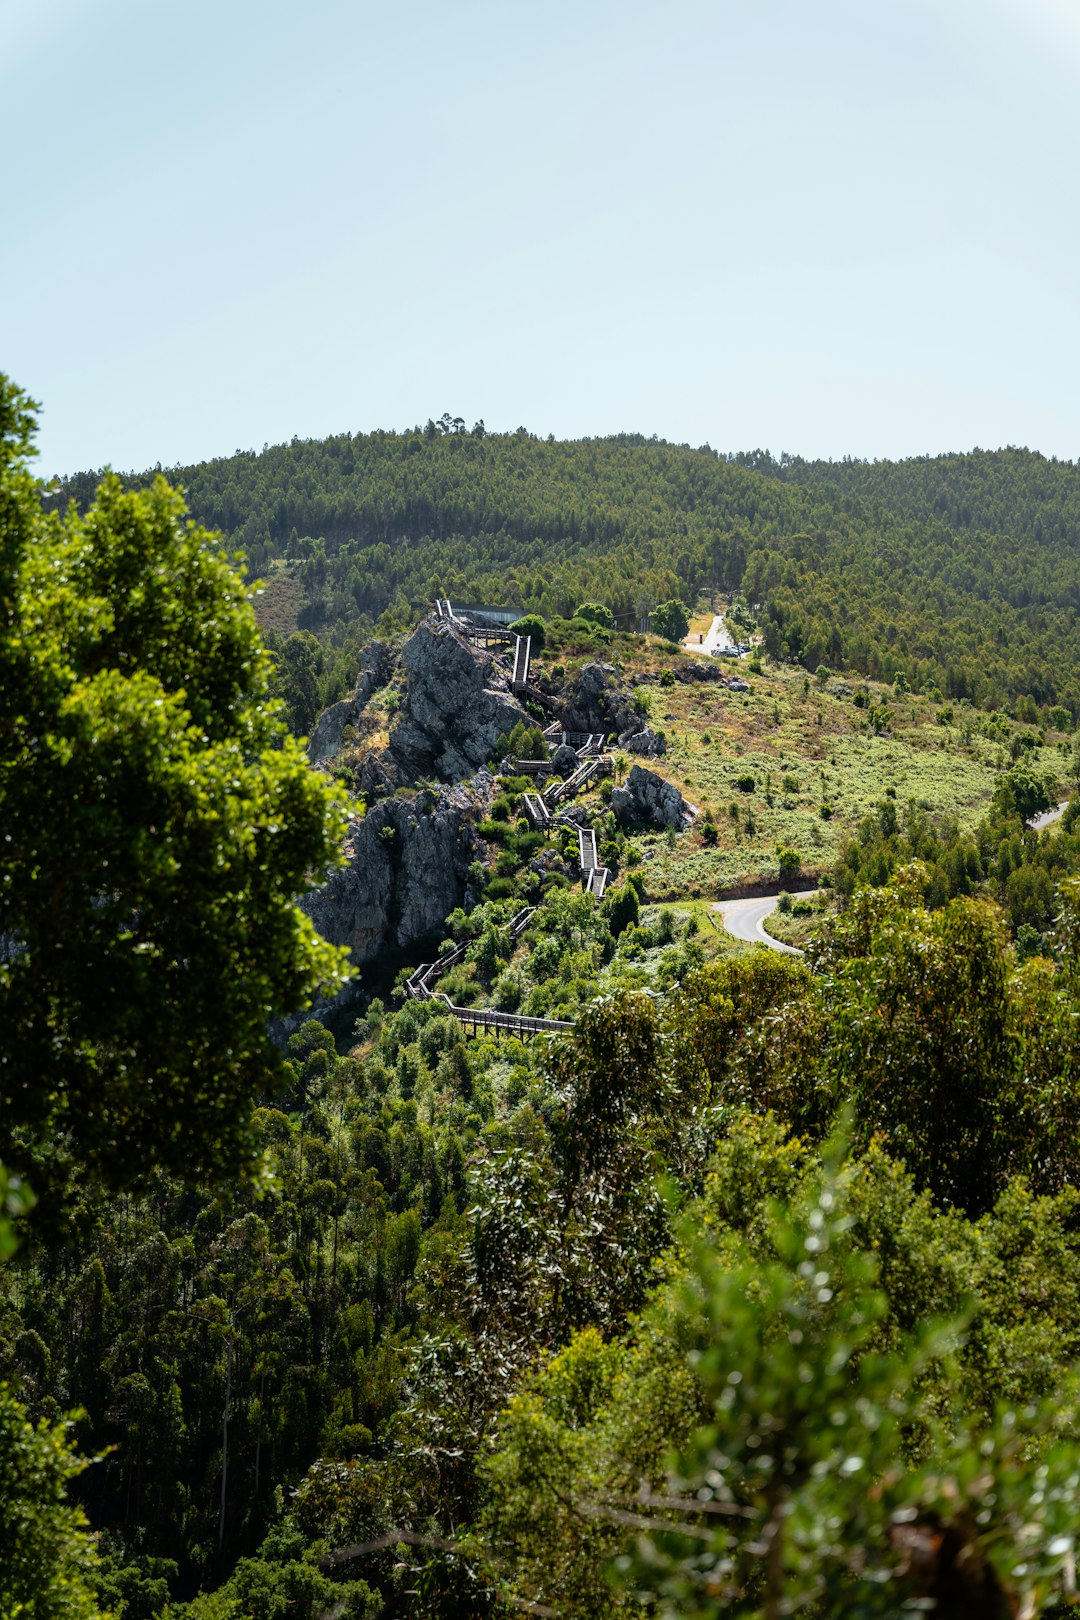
x=716 y=637
x=1049 y=816
x=746 y=920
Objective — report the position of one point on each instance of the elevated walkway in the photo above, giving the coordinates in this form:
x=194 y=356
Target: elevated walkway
x=478 y=1021
x=536 y=811
x=519 y=680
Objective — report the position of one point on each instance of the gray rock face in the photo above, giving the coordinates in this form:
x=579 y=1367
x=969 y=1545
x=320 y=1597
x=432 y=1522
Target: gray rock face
x=564 y=761
x=457 y=705
x=648 y=742
x=407 y=868
x=648 y=798
x=378 y=775
x=329 y=732
x=596 y=702
x=376 y=666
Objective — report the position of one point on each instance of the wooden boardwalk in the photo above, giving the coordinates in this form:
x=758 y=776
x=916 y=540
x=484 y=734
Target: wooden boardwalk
x=519 y=679
x=479 y=1021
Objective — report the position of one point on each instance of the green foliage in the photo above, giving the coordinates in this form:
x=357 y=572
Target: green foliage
x=1022 y=792
x=596 y=613
x=923 y=994
x=531 y=625
x=621 y=908
x=361 y=526
x=47 y=1562
x=671 y=620
x=158 y=828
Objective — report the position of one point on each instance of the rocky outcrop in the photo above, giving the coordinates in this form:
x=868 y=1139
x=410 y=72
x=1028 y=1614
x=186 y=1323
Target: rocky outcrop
x=648 y=742
x=457 y=705
x=648 y=799
x=407 y=863
x=378 y=775
x=564 y=761
x=376 y=667
x=596 y=702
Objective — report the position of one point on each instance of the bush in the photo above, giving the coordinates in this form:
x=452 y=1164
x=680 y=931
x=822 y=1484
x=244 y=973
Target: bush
x=788 y=862
x=531 y=625
x=745 y=784
x=596 y=613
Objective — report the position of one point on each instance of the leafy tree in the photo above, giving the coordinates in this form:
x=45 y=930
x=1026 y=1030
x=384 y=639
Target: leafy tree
x=1023 y=792
x=920 y=1038
x=296 y=681
x=622 y=908
x=47 y=1562
x=787 y=1428
x=532 y=625
x=157 y=827
x=671 y=620
x=596 y=613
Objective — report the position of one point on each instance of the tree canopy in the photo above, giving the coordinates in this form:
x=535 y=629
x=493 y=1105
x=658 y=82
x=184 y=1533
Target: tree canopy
x=157 y=826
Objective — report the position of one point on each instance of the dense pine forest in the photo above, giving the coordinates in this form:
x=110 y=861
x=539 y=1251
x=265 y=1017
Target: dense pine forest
x=752 y=1291
x=960 y=570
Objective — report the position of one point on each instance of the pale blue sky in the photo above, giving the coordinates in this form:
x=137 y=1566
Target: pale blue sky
x=848 y=227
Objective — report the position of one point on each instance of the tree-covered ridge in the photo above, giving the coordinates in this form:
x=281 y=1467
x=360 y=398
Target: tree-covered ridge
x=960 y=571
x=485 y=1291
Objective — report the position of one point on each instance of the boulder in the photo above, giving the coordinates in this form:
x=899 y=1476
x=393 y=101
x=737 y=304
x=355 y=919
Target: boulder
x=457 y=705
x=650 y=800
x=596 y=702
x=648 y=742
x=564 y=761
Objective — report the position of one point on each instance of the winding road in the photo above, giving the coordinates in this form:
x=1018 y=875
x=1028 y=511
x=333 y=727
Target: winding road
x=716 y=637
x=746 y=920
x=1039 y=822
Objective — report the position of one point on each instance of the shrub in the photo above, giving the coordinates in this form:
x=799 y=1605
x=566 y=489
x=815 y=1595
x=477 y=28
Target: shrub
x=531 y=625
x=745 y=784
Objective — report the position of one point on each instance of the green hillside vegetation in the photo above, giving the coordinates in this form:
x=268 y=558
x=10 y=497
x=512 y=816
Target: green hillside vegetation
x=420 y=1337
x=757 y=1291
x=960 y=572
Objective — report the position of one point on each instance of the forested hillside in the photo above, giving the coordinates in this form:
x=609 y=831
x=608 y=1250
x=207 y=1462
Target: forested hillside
x=743 y=1285
x=961 y=571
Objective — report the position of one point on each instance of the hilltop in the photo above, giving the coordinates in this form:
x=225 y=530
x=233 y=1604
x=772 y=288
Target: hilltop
x=960 y=571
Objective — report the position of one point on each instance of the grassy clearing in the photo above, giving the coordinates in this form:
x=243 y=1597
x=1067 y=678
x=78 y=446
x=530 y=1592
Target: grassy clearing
x=799 y=925
x=280 y=600
x=792 y=764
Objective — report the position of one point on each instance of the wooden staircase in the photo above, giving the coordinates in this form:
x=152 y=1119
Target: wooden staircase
x=478 y=1021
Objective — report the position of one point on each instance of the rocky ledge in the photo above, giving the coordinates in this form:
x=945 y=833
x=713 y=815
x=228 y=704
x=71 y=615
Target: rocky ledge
x=407 y=867
x=647 y=799
x=457 y=704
